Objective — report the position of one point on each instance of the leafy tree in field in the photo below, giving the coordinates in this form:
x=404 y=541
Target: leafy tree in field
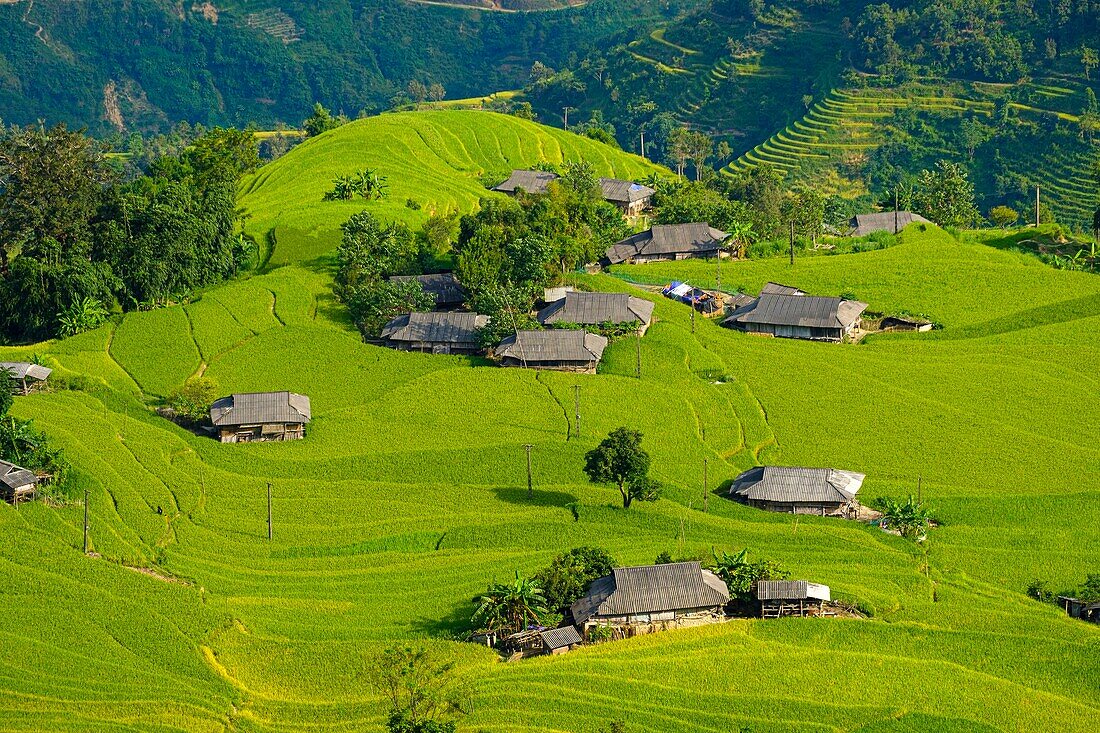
x=678 y=148
x=910 y=518
x=436 y=92
x=740 y=575
x=321 y=120
x=192 y=401
x=84 y=315
x=373 y=306
x=438 y=234
x=510 y=607
x=808 y=213
x=1089 y=61
x=946 y=195
x=686 y=202
x=423 y=693
x=417 y=92
x=700 y=148
x=620 y=460
x=568 y=576
x=1003 y=216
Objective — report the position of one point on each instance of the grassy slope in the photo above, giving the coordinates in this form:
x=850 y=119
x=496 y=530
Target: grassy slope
x=433 y=158
x=409 y=495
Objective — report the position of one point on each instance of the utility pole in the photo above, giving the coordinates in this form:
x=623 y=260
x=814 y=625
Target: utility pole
x=85 y=520
x=792 y=243
x=1036 y=206
x=637 y=355
x=642 y=134
x=577 y=407
x=567 y=110
x=895 y=210
x=269 y=527
x=693 y=314
x=706 y=494
x=919 y=481
x=528 y=448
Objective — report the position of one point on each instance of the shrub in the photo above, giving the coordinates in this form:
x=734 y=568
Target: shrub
x=568 y=576
x=192 y=401
x=740 y=575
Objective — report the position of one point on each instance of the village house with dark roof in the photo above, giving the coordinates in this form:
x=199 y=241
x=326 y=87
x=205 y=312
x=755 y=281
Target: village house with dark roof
x=17 y=484
x=260 y=417
x=786 y=312
x=527 y=181
x=668 y=242
x=1084 y=610
x=435 y=333
x=444 y=286
x=791 y=598
x=563 y=350
x=594 y=309
x=28 y=377
x=821 y=491
x=861 y=225
x=631 y=198
x=649 y=598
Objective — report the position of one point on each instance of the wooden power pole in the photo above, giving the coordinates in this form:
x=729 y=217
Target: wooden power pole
x=706 y=494
x=85 y=520
x=896 y=210
x=637 y=355
x=1036 y=206
x=577 y=408
x=528 y=448
x=269 y=527
x=642 y=134
x=792 y=242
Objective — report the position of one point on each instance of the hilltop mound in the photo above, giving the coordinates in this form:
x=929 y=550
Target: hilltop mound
x=432 y=161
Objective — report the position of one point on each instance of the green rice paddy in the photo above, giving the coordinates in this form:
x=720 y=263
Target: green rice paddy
x=409 y=493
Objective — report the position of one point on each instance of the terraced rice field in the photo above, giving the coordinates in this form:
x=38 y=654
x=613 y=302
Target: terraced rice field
x=850 y=123
x=408 y=495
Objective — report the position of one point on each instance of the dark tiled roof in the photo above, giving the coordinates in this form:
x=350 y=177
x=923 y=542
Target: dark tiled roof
x=596 y=308
x=651 y=589
x=22 y=370
x=791 y=590
x=799 y=310
x=557 y=638
x=553 y=346
x=663 y=239
x=790 y=484
x=864 y=224
x=15 y=477
x=529 y=181
x=440 y=328
x=252 y=408
x=444 y=286
x=624 y=192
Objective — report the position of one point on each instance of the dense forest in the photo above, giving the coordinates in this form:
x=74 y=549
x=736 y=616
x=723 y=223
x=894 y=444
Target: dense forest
x=147 y=64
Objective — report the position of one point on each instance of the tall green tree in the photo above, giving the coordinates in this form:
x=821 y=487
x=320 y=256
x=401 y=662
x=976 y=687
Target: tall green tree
x=619 y=459
x=423 y=692
x=945 y=195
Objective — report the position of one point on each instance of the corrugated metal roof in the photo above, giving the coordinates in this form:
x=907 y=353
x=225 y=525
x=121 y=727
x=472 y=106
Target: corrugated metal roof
x=695 y=238
x=595 y=308
x=799 y=310
x=529 y=181
x=444 y=286
x=21 y=370
x=793 y=484
x=624 y=192
x=441 y=328
x=651 y=589
x=253 y=408
x=791 y=590
x=778 y=289
x=864 y=224
x=550 y=346
x=16 y=477
x=558 y=638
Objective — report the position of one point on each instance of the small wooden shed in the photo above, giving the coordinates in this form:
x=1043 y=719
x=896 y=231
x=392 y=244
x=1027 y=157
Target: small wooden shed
x=629 y=197
x=1084 y=610
x=17 y=484
x=826 y=492
x=28 y=377
x=561 y=640
x=791 y=598
x=261 y=417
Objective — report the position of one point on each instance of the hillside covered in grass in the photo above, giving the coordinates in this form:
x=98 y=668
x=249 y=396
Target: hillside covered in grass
x=434 y=162
x=408 y=495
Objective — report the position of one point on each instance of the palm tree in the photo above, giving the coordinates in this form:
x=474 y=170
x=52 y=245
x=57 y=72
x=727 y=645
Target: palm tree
x=508 y=607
